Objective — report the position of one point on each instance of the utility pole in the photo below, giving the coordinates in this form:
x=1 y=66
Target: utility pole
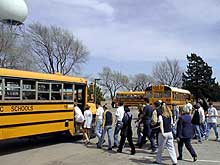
x=96 y=79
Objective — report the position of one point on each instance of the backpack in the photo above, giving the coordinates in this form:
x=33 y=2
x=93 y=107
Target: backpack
x=154 y=119
x=126 y=119
x=196 y=117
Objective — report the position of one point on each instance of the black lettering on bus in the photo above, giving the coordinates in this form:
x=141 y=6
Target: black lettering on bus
x=23 y=108
x=1 y=109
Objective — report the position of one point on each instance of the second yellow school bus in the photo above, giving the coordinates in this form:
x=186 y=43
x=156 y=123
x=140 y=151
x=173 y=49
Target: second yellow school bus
x=131 y=98
x=34 y=103
x=167 y=94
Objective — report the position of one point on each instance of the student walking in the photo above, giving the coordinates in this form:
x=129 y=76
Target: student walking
x=212 y=121
x=196 y=121
x=175 y=115
x=118 y=122
x=79 y=118
x=126 y=131
x=106 y=127
x=146 y=119
x=165 y=135
x=184 y=134
x=139 y=124
x=87 y=123
x=188 y=106
x=99 y=116
x=155 y=125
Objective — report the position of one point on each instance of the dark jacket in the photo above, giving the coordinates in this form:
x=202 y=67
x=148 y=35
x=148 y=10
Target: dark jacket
x=147 y=114
x=167 y=124
x=196 y=117
x=107 y=118
x=184 y=127
x=126 y=128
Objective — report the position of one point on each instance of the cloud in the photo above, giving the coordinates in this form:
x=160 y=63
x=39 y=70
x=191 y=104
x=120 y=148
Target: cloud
x=197 y=11
x=96 y=5
x=142 y=30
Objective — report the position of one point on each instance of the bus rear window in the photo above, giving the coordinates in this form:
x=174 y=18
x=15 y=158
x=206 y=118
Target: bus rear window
x=167 y=94
x=158 y=94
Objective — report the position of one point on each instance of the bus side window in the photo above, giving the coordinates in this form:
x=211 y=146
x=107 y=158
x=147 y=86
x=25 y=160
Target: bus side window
x=29 y=90
x=68 y=92
x=56 y=92
x=43 y=91
x=12 y=89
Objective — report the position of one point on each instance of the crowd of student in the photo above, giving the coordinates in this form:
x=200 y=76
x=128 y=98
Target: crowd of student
x=158 y=123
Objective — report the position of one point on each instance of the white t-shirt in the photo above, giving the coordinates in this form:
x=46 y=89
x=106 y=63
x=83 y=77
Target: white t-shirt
x=88 y=119
x=187 y=107
x=100 y=112
x=202 y=115
x=78 y=115
x=120 y=113
x=212 y=113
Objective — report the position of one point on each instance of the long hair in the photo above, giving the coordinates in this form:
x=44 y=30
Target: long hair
x=166 y=111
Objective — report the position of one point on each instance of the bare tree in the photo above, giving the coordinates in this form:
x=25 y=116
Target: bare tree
x=139 y=82
x=112 y=80
x=14 y=51
x=56 y=49
x=168 y=72
x=8 y=39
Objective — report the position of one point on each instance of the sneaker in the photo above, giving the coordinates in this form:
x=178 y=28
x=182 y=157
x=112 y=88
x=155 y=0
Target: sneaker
x=133 y=152
x=195 y=158
x=119 y=151
x=137 y=144
x=110 y=149
x=216 y=139
x=179 y=158
x=114 y=146
x=155 y=162
x=154 y=151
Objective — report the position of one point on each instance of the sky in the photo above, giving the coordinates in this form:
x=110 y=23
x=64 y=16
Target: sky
x=132 y=35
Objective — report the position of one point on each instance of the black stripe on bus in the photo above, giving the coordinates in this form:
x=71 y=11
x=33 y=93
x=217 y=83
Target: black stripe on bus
x=34 y=123
x=34 y=112
x=33 y=103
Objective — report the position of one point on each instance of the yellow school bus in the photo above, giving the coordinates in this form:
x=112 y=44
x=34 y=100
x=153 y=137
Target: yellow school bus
x=131 y=98
x=34 y=103
x=167 y=94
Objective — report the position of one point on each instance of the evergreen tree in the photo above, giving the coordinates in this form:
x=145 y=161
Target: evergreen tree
x=198 y=78
x=98 y=93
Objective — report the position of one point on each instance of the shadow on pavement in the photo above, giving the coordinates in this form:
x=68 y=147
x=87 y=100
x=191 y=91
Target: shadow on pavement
x=21 y=144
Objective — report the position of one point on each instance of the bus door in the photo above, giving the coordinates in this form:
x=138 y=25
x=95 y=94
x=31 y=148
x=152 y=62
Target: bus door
x=80 y=95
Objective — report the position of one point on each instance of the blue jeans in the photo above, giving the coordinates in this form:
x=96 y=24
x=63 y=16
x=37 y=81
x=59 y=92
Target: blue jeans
x=118 y=127
x=98 y=129
x=107 y=129
x=197 y=132
x=153 y=138
x=146 y=133
x=214 y=126
x=189 y=147
x=203 y=129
